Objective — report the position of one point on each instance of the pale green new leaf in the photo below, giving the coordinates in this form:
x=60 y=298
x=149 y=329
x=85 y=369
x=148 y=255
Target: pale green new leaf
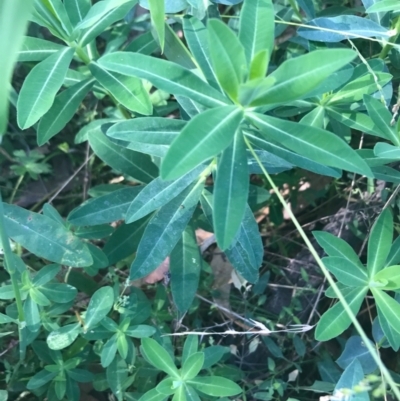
x=137 y=165
x=14 y=15
x=159 y=357
x=230 y=191
x=36 y=49
x=297 y=76
x=389 y=277
x=316 y=144
x=192 y=366
x=164 y=230
x=197 y=40
x=229 y=62
x=185 y=267
x=129 y=91
x=63 y=109
x=335 y=320
x=41 y=86
x=379 y=242
x=204 y=137
x=346 y=271
x=256 y=29
x=109 y=351
x=163 y=74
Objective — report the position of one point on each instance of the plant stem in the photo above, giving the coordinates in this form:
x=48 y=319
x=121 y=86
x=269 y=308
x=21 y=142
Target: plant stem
x=12 y=271
x=388 y=46
x=328 y=276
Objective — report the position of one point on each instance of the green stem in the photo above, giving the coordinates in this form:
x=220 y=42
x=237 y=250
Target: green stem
x=329 y=278
x=388 y=46
x=12 y=271
x=21 y=177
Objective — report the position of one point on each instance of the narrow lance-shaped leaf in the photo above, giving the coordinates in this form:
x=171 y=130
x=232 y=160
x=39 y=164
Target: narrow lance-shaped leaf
x=204 y=137
x=346 y=271
x=230 y=191
x=379 y=242
x=129 y=91
x=36 y=49
x=14 y=15
x=197 y=40
x=256 y=32
x=77 y=10
x=388 y=307
x=229 y=62
x=157 y=11
x=336 y=320
x=62 y=110
x=167 y=76
x=158 y=193
x=41 y=86
x=296 y=77
x=57 y=8
x=185 y=267
x=164 y=230
x=317 y=144
x=137 y=165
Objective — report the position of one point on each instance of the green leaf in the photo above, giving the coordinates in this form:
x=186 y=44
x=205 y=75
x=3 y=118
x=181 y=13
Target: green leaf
x=166 y=386
x=97 y=20
x=99 y=306
x=213 y=355
x=388 y=307
x=206 y=135
x=157 y=12
x=197 y=40
x=45 y=238
x=190 y=393
x=350 y=378
x=104 y=209
x=41 y=86
x=335 y=246
x=77 y=10
x=117 y=375
x=229 y=62
x=57 y=8
x=394 y=254
x=14 y=15
x=164 y=230
x=63 y=337
x=152 y=395
x=158 y=193
x=346 y=271
x=231 y=190
x=144 y=44
x=159 y=357
x=390 y=276
x=45 y=274
x=190 y=347
x=122 y=345
x=59 y=292
x=192 y=366
x=256 y=30
x=215 y=386
x=62 y=110
x=40 y=379
x=335 y=320
x=147 y=130
x=137 y=165
x=125 y=240
x=167 y=76
x=379 y=242
x=357 y=88
x=38 y=297
x=317 y=144
x=291 y=157
x=384 y=5
x=381 y=116
x=129 y=91
x=32 y=315
x=140 y=331
x=109 y=351
x=185 y=267
x=386 y=151
x=297 y=76
x=36 y=49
